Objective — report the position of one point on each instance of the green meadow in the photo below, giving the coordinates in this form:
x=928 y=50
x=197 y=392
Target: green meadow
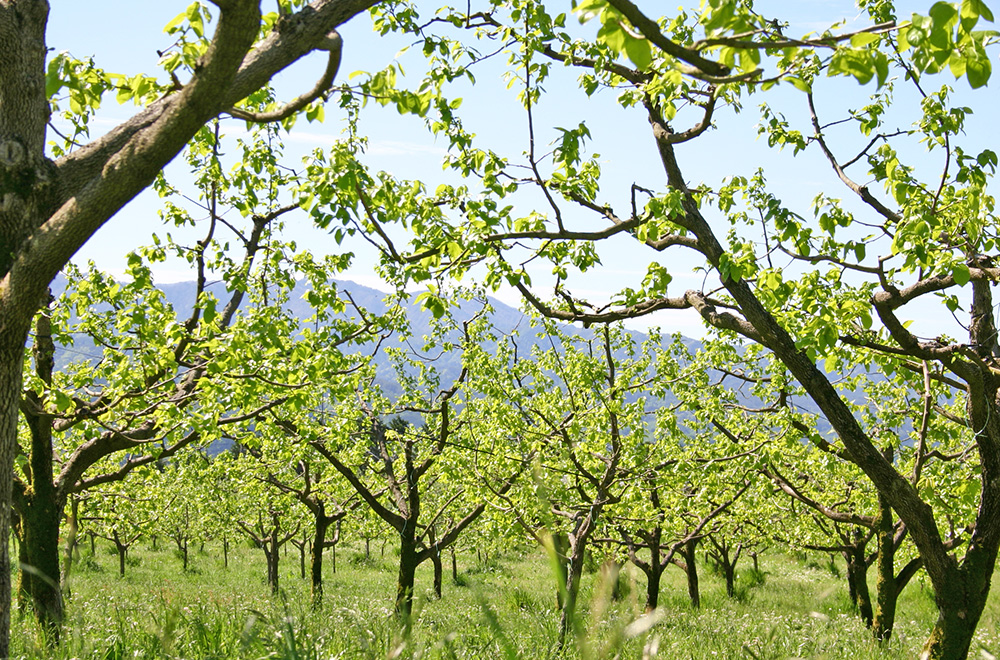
x=794 y=607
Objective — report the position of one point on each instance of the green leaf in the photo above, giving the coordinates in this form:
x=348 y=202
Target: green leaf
x=612 y=34
x=857 y=63
x=961 y=274
x=62 y=400
x=171 y=27
x=639 y=51
x=978 y=70
x=799 y=84
x=863 y=39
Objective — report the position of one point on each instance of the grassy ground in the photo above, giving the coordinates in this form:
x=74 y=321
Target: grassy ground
x=505 y=609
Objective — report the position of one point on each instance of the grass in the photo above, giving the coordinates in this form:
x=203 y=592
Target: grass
x=796 y=609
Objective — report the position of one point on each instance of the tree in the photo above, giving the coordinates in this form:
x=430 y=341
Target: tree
x=267 y=516
x=401 y=470
x=923 y=239
x=122 y=513
x=577 y=408
x=54 y=202
x=320 y=491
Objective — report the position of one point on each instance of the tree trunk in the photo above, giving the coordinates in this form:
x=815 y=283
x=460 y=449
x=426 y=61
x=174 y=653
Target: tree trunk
x=454 y=565
x=23 y=589
x=122 y=551
x=72 y=551
x=39 y=501
x=271 y=556
x=404 y=583
x=960 y=605
x=225 y=551
x=857 y=581
x=561 y=546
x=316 y=565
x=886 y=591
x=573 y=575
x=39 y=546
x=729 y=570
x=332 y=544
x=11 y=362
x=691 y=570
x=438 y=573
x=653 y=576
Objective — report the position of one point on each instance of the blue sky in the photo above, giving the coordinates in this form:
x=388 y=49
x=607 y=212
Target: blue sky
x=125 y=40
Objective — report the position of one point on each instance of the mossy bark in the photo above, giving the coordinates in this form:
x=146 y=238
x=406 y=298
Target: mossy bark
x=857 y=581
x=886 y=590
x=39 y=501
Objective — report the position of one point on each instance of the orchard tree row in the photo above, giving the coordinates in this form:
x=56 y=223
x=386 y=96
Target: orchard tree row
x=597 y=442
x=814 y=397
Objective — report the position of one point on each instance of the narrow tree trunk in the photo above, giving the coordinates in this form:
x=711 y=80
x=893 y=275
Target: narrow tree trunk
x=316 y=565
x=271 y=553
x=40 y=557
x=332 y=544
x=561 y=546
x=23 y=588
x=405 y=581
x=122 y=551
x=857 y=581
x=653 y=576
x=729 y=570
x=72 y=551
x=692 y=573
x=573 y=575
x=225 y=551
x=11 y=363
x=41 y=504
x=886 y=592
x=302 y=559
x=454 y=565
x=438 y=573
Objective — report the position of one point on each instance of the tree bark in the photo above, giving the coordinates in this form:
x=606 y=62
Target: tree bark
x=10 y=391
x=40 y=503
x=653 y=576
x=49 y=210
x=122 y=550
x=960 y=588
x=316 y=565
x=691 y=570
x=886 y=591
x=574 y=573
x=405 y=580
x=857 y=581
x=438 y=573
